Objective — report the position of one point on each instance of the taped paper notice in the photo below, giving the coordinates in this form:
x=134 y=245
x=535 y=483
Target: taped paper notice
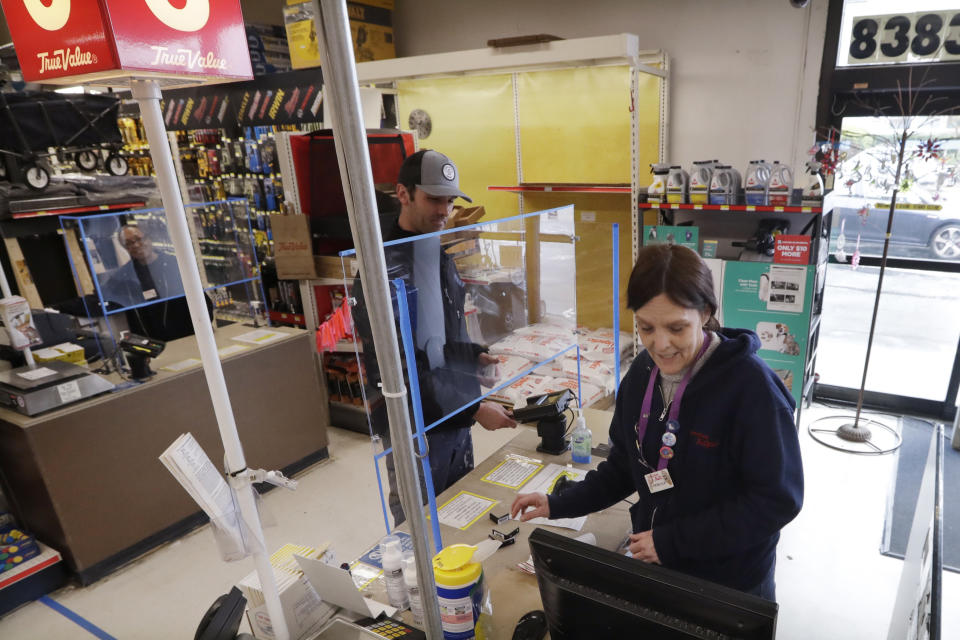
x=544 y=483
x=463 y=509
x=69 y=391
x=512 y=472
x=182 y=365
x=36 y=374
x=260 y=336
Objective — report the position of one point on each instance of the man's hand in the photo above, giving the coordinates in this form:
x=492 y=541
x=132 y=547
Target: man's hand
x=493 y=416
x=484 y=360
x=641 y=547
x=537 y=503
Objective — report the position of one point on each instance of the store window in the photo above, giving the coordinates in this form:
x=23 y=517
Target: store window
x=890 y=68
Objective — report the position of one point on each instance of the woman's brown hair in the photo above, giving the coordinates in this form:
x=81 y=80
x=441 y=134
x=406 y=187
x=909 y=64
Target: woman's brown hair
x=677 y=272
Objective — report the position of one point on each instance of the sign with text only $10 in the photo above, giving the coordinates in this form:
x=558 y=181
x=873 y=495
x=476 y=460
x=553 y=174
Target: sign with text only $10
x=66 y=41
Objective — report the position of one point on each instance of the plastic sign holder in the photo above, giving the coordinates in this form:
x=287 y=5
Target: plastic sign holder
x=141 y=44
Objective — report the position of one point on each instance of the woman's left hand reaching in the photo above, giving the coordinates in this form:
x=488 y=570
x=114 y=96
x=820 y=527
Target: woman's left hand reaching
x=641 y=547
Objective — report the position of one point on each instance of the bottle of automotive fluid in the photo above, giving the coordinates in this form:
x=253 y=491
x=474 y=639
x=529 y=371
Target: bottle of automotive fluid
x=391 y=556
x=581 y=441
x=413 y=589
x=725 y=185
x=813 y=193
x=781 y=185
x=755 y=182
x=700 y=176
x=678 y=184
x=656 y=192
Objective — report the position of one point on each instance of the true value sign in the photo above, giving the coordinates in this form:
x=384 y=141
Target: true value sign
x=59 y=41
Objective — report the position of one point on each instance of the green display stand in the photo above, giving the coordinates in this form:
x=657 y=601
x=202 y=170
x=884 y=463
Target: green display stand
x=772 y=300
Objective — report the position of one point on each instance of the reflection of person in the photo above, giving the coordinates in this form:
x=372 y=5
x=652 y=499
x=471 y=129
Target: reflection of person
x=449 y=365
x=699 y=408
x=148 y=275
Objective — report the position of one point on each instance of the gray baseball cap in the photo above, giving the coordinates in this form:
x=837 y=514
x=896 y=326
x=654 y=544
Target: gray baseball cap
x=439 y=176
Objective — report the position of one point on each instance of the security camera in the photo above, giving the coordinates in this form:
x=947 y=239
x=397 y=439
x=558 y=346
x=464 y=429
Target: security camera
x=799 y=4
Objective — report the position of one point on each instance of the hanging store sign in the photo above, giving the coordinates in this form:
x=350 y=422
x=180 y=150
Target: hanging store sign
x=924 y=36
x=67 y=41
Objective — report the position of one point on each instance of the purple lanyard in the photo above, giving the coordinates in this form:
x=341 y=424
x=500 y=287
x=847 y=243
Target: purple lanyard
x=674 y=407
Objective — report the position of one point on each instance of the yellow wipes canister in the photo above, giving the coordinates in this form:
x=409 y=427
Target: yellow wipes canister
x=459 y=592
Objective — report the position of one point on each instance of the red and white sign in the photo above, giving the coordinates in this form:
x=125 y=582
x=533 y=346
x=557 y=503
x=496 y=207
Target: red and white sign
x=60 y=41
x=791 y=249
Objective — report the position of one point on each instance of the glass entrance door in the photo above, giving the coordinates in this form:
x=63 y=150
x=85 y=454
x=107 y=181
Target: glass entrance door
x=918 y=323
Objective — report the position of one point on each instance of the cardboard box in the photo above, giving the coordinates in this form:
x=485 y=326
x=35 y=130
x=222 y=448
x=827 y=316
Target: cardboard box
x=66 y=352
x=371 y=26
x=293 y=252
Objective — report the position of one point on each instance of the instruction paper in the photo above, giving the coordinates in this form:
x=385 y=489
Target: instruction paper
x=513 y=472
x=183 y=365
x=259 y=336
x=545 y=481
x=232 y=349
x=463 y=509
x=36 y=374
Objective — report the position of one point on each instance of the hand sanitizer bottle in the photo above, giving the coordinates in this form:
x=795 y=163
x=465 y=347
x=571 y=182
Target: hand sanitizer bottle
x=413 y=589
x=582 y=441
x=391 y=556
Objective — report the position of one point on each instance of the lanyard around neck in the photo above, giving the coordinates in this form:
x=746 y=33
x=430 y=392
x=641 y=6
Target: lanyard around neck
x=674 y=407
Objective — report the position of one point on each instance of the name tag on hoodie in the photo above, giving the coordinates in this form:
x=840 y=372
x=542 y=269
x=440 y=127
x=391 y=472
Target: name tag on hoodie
x=659 y=481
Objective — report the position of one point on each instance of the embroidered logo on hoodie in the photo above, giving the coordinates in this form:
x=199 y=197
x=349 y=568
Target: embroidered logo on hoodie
x=702 y=440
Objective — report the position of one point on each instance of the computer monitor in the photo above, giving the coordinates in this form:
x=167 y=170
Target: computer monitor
x=588 y=592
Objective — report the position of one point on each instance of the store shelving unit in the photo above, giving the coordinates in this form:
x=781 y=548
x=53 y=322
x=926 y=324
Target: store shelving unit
x=558 y=187
x=728 y=223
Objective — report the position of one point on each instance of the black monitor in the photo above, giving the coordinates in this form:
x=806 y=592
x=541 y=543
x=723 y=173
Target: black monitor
x=588 y=592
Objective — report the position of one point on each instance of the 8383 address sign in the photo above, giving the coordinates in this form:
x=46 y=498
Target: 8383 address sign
x=924 y=36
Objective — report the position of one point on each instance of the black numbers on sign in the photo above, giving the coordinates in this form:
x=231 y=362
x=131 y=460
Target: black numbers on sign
x=927 y=40
x=902 y=26
x=928 y=36
x=951 y=46
x=864 y=43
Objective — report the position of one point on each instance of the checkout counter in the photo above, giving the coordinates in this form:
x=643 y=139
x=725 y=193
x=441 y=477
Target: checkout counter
x=86 y=478
x=513 y=591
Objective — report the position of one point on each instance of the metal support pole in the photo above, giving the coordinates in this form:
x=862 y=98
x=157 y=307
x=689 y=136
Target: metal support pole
x=340 y=82
x=147 y=95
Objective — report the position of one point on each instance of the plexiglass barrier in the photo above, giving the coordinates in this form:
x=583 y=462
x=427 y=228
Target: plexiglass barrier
x=485 y=313
x=125 y=265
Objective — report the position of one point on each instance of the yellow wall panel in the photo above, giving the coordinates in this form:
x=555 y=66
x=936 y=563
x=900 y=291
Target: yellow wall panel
x=594 y=251
x=575 y=125
x=473 y=123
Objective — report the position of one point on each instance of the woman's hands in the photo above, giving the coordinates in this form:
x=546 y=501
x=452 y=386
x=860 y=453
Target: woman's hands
x=537 y=503
x=641 y=547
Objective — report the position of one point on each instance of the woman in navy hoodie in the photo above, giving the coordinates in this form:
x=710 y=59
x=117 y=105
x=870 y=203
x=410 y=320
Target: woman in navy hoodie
x=703 y=432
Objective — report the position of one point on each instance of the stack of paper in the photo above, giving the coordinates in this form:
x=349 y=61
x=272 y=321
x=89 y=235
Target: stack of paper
x=189 y=464
x=303 y=609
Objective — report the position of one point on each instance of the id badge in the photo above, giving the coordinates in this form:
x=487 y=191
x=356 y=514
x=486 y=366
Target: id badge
x=659 y=481
x=149 y=294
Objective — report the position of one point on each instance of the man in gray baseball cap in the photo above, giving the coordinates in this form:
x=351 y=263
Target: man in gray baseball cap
x=449 y=364
x=427 y=185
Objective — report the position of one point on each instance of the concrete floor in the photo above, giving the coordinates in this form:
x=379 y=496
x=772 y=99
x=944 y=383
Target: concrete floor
x=832 y=582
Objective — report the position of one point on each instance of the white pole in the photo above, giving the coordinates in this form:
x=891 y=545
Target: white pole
x=147 y=94
x=5 y=288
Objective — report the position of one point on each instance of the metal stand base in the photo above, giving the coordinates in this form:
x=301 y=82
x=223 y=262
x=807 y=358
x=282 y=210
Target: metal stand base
x=867 y=438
